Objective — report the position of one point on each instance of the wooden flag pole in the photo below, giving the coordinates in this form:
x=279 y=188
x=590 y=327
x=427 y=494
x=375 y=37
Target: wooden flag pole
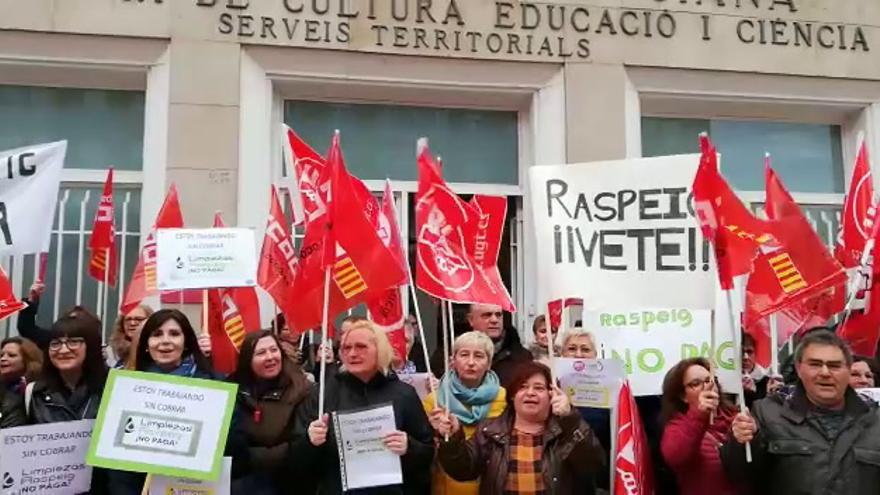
x=205 y=330
x=147 y=482
x=324 y=324
x=734 y=327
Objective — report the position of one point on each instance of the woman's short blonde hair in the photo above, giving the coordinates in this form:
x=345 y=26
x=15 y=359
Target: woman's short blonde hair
x=572 y=332
x=476 y=339
x=117 y=337
x=384 y=352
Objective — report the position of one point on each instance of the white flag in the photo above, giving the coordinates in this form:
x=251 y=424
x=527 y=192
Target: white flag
x=29 y=182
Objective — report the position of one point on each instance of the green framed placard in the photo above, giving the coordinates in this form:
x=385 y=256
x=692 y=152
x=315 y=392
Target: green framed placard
x=156 y=423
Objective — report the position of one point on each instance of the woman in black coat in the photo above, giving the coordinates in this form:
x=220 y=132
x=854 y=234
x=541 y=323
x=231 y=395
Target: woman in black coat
x=167 y=345
x=72 y=381
x=364 y=381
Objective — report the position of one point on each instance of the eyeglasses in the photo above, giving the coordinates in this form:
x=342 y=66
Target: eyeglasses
x=698 y=383
x=72 y=343
x=134 y=319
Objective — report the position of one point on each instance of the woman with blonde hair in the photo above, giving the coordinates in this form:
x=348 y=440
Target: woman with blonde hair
x=125 y=334
x=21 y=362
x=475 y=395
x=365 y=380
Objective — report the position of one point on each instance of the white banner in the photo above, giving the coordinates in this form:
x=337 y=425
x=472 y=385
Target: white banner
x=164 y=485
x=621 y=234
x=29 y=182
x=590 y=382
x=205 y=258
x=651 y=342
x=48 y=459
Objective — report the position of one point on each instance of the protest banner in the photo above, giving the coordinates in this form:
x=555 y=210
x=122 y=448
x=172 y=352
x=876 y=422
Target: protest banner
x=364 y=460
x=590 y=382
x=419 y=381
x=650 y=342
x=164 y=485
x=205 y=258
x=162 y=424
x=49 y=459
x=621 y=234
x=28 y=196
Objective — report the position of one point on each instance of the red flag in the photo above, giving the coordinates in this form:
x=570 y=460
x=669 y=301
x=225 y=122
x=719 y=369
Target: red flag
x=554 y=309
x=858 y=212
x=102 y=240
x=143 y=280
x=798 y=268
x=278 y=260
x=9 y=304
x=386 y=310
x=308 y=167
x=362 y=266
x=632 y=460
x=734 y=232
x=862 y=328
x=232 y=313
x=446 y=243
x=483 y=233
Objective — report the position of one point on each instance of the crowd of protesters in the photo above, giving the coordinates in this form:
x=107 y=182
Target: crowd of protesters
x=495 y=423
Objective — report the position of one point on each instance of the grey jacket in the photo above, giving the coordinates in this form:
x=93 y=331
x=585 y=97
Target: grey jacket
x=792 y=454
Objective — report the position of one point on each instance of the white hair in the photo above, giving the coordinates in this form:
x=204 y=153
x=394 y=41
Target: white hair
x=569 y=333
x=477 y=339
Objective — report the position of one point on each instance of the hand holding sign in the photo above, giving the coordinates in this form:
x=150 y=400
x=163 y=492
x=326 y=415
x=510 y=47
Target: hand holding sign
x=397 y=442
x=560 y=404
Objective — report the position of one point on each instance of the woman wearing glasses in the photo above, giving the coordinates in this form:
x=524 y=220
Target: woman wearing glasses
x=73 y=375
x=125 y=334
x=697 y=421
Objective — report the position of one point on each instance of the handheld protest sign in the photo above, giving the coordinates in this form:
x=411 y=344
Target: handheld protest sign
x=162 y=424
x=28 y=196
x=47 y=458
x=621 y=234
x=205 y=258
x=590 y=382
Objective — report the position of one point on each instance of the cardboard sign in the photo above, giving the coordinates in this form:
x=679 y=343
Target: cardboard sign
x=31 y=177
x=621 y=234
x=163 y=424
x=49 y=459
x=590 y=382
x=163 y=485
x=205 y=258
x=650 y=342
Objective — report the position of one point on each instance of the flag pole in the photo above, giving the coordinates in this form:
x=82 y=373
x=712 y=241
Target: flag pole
x=448 y=336
x=105 y=291
x=324 y=322
x=550 y=338
x=418 y=312
x=738 y=361
x=774 y=345
x=204 y=312
x=274 y=317
x=712 y=364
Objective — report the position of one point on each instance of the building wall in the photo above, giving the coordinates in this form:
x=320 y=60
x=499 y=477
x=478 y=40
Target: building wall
x=581 y=74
